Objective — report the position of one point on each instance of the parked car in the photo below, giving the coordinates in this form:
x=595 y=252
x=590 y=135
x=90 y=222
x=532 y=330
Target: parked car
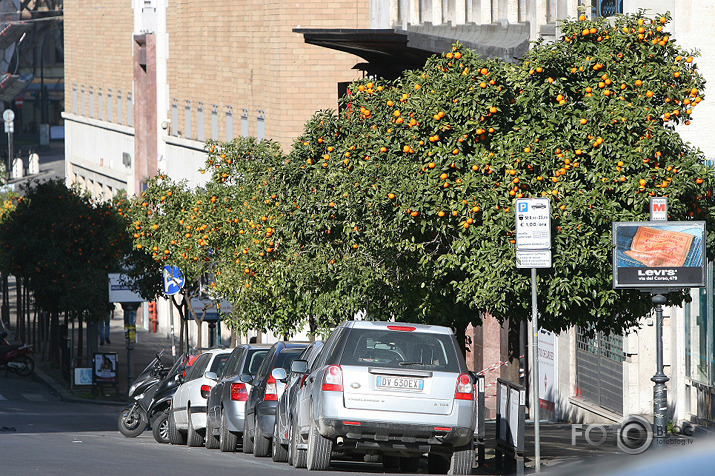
x=392 y=389
x=227 y=400
x=187 y=417
x=285 y=411
x=263 y=398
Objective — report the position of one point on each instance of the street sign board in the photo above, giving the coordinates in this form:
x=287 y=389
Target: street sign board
x=533 y=224
x=533 y=259
x=119 y=292
x=173 y=280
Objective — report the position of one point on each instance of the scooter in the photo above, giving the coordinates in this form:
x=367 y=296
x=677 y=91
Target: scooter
x=15 y=357
x=161 y=402
x=134 y=418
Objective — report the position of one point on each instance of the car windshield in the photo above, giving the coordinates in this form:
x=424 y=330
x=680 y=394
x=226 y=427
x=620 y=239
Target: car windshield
x=399 y=349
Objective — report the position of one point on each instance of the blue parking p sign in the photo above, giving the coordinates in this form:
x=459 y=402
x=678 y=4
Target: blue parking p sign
x=173 y=280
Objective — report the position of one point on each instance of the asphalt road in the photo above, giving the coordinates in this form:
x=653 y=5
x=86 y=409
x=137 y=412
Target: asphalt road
x=40 y=434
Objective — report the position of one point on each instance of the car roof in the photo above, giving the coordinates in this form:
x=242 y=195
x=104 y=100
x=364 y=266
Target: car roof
x=386 y=325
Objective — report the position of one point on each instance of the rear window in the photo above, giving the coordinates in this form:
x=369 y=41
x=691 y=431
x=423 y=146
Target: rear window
x=219 y=363
x=400 y=349
x=286 y=357
x=254 y=359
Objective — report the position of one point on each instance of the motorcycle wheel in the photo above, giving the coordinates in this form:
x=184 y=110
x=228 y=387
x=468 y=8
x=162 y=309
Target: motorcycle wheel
x=25 y=365
x=131 y=422
x=160 y=428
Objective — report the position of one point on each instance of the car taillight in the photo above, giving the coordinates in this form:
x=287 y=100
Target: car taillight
x=402 y=328
x=271 y=390
x=465 y=389
x=333 y=379
x=205 y=390
x=239 y=392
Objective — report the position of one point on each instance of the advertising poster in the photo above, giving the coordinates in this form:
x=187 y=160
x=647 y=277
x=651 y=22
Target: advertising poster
x=105 y=367
x=548 y=385
x=667 y=255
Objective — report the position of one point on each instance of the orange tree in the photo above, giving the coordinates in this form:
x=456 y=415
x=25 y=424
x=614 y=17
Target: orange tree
x=407 y=194
x=62 y=244
x=256 y=262
x=171 y=223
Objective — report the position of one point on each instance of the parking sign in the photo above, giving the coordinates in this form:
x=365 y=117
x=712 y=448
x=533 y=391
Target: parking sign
x=533 y=224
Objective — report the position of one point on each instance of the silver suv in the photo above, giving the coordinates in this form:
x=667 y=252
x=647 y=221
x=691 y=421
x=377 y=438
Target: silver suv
x=393 y=389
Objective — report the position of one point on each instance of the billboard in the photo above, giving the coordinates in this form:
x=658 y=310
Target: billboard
x=659 y=254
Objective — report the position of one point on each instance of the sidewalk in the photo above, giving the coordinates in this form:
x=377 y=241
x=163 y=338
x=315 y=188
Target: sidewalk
x=144 y=350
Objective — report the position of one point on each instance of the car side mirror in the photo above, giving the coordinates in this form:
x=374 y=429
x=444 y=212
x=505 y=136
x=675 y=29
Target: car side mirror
x=299 y=366
x=211 y=376
x=279 y=373
x=245 y=378
x=179 y=378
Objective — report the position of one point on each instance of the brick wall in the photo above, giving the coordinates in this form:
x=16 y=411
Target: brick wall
x=245 y=55
x=98 y=52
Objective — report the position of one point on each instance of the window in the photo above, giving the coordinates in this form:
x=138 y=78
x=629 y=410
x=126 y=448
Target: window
x=254 y=360
x=219 y=363
x=198 y=368
x=608 y=8
x=397 y=349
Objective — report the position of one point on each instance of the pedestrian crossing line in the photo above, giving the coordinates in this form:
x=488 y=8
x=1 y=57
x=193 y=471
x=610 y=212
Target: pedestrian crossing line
x=34 y=397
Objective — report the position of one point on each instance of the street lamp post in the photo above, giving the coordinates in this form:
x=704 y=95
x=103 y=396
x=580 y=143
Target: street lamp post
x=660 y=391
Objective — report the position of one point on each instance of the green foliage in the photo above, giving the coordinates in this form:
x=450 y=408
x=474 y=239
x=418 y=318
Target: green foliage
x=400 y=205
x=64 y=245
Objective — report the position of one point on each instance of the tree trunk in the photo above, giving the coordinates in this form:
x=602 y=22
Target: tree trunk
x=19 y=316
x=54 y=336
x=80 y=337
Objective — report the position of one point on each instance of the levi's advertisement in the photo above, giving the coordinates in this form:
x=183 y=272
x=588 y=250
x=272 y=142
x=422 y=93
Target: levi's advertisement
x=659 y=254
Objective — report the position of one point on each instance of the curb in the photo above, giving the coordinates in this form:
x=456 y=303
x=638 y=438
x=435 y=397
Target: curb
x=64 y=395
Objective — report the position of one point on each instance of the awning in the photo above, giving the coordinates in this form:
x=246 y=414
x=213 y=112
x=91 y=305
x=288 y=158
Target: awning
x=10 y=86
x=388 y=52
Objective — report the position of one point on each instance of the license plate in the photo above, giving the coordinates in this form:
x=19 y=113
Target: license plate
x=401 y=383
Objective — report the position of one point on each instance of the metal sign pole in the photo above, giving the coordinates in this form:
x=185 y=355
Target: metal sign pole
x=660 y=391
x=535 y=379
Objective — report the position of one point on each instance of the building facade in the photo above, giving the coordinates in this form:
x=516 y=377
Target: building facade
x=148 y=82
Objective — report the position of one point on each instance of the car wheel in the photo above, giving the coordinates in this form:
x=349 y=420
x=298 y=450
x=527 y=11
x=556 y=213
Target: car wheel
x=176 y=437
x=462 y=459
x=227 y=440
x=279 y=453
x=261 y=442
x=247 y=441
x=193 y=437
x=319 y=449
x=210 y=440
x=160 y=428
x=299 y=456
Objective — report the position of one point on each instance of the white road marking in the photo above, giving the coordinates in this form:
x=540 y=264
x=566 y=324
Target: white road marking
x=34 y=397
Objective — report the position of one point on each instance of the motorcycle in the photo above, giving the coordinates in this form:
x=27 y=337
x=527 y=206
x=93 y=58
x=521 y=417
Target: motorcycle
x=161 y=403
x=152 y=391
x=15 y=357
x=134 y=418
